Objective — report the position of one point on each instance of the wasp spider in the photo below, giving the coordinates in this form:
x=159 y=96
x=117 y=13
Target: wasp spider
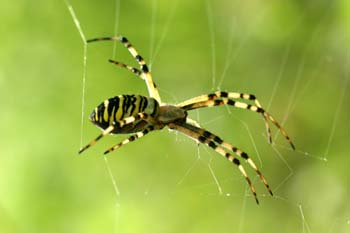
x=140 y=115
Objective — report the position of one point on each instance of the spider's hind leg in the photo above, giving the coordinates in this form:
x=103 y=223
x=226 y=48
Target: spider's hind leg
x=219 y=146
x=227 y=98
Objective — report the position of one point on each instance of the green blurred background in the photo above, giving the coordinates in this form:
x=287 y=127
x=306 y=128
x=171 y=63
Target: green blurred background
x=293 y=55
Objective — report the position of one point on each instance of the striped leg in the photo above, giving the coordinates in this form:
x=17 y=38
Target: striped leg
x=130 y=68
x=230 y=95
x=126 y=121
x=130 y=139
x=145 y=73
x=206 y=135
x=237 y=104
x=192 y=134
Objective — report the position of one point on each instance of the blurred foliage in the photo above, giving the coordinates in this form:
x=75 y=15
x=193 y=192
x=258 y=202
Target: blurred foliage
x=293 y=55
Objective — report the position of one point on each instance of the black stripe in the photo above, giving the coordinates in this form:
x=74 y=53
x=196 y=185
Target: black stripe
x=144 y=68
x=201 y=139
x=236 y=161
x=141 y=103
x=155 y=108
x=252 y=97
x=124 y=105
x=138 y=58
x=133 y=106
x=218 y=102
x=145 y=104
x=100 y=111
x=218 y=140
x=260 y=110
x=207 y=134
x=223 y=94
x=212 y=145
x=231 y=102
x=244 y=155
x=110 y=108
x=212 y=96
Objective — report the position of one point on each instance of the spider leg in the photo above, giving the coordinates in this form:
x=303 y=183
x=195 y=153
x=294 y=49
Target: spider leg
x=231 y=95
x=131 y=139
x=183 y=128
x=210 y=136
x=145 y=73
x=126 y=121
x=237 y=104
x=137 y=72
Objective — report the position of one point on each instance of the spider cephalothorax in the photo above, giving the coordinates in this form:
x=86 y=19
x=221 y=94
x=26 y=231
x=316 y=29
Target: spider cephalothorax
x=139 y=115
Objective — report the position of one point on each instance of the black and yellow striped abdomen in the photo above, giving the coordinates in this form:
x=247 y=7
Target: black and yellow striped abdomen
x=120 y=107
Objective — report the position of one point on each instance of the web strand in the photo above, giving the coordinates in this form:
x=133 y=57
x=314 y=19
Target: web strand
x=116 y=26
x=152 y=30
x=82 y=36
x=212 y=42
x=164 y=33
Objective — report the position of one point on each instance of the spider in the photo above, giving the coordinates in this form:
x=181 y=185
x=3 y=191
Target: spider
x=140 y=115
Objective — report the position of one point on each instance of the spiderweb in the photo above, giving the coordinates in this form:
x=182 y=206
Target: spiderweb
x=306 y=89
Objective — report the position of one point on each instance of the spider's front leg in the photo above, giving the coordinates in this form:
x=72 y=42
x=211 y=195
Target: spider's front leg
x=118 y=124
x=131 y=139
x=144 y=72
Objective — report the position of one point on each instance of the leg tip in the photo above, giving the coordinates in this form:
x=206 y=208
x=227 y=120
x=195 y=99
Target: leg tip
x=106 y=152
x=292 y=145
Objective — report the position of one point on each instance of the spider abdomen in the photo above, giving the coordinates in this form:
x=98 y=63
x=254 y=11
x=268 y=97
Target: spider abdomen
x=119 y=107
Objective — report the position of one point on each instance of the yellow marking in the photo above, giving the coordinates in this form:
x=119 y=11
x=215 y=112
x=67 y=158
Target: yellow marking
x=210 y=104
x=233 y=95
x=246 y=96
x=230 y=158
x=119 y=111
x=128 y=120
x=108 y=130
x=254 y=108
x=226 y=145
x=132 y=51
x=239 y=152
x=139 y=134
x=241 y=168
x=257 y=103
x=96 y=114
x=223 y=153
x=241 y=105
x=105 y=113
x=111 y=116
x=252 y=164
